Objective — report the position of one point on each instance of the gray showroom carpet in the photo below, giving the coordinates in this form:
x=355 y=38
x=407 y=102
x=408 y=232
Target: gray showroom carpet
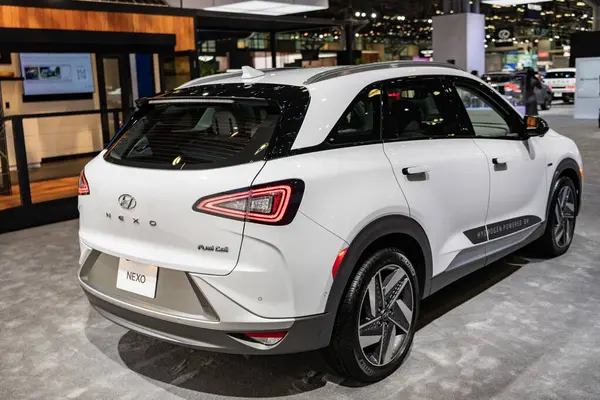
x=519 y=329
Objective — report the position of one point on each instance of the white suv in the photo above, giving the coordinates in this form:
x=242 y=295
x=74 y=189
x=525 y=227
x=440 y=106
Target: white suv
x=270 y=212
x=563 y=83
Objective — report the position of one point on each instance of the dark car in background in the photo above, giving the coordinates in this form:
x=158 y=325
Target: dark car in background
x=511 y=84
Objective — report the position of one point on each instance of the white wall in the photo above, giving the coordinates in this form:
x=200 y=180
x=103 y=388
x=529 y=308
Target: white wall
x=587 y=97
x=460 y=37
x=51 y=137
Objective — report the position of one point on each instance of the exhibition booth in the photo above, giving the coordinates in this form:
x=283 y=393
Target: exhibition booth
x=68 y=79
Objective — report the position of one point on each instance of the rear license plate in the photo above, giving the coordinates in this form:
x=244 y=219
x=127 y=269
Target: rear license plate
x=137 y=278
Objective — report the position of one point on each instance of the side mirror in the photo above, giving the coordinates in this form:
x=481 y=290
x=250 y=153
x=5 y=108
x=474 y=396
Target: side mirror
x=535 y=126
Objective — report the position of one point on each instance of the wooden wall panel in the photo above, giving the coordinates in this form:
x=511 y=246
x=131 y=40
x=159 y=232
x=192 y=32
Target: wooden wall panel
x=48 y=18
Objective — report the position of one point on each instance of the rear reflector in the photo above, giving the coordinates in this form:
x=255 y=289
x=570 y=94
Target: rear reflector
x=84 y=188
x=275 y=203
x=266 y=338
x=338 y=261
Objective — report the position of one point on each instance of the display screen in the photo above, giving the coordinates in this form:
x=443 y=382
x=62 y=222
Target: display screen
x=56 y=74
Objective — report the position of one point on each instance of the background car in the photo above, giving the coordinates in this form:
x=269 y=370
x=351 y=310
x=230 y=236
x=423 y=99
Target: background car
x=512 y=84
x=563 y=83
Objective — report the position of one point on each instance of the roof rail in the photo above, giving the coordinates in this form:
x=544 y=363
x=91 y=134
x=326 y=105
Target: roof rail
x=353 y=69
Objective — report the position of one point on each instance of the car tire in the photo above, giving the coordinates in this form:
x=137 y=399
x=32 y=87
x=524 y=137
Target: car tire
x=354 y=351
x=562 y=217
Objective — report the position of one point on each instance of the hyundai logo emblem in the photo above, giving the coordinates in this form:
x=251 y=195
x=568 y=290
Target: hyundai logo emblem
x=127 y=201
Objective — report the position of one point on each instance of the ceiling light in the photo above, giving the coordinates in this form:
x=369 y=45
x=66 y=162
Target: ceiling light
x=512 y=2
x=580 y=3
x=262 y=7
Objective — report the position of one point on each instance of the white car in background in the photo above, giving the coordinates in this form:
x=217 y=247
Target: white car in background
x=270 y=212
x=563 y=83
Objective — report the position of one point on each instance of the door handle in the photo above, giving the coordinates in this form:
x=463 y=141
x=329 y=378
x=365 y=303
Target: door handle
x=415 y=170
x=499 y=161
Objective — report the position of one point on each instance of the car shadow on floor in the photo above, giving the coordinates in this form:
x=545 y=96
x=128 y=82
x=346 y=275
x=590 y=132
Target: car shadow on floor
x=274 y=376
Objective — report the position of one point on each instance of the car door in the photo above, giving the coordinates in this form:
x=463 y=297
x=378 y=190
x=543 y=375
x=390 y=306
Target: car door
x=441 y=171
x=517 y=167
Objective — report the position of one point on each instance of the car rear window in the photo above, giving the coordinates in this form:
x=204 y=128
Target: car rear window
x=204 y=133
x=560 y=75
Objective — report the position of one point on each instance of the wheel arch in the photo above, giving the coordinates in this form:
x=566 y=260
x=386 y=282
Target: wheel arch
x=569 y=168
x=383 y=232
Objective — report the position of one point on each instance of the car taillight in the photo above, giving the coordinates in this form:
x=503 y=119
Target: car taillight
x=274 y=203
x=570 y=87
x=84 y=187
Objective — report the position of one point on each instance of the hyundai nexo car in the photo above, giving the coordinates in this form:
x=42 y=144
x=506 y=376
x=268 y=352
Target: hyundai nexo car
x=282 y=211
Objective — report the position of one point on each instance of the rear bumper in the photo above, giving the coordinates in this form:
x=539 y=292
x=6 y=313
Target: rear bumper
x=189 y=312
x=563 y=92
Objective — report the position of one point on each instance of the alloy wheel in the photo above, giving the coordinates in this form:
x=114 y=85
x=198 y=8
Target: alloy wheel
x=564 y=213
x=385 y=317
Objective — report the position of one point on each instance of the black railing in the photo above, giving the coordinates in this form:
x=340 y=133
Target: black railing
x=20 y=147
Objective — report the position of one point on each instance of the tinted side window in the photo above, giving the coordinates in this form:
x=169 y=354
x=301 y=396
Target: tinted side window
x=361 y=121
x=418 y=109
x=487 y=117
x=485 y=120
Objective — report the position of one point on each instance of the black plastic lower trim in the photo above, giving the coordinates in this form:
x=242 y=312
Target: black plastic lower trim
x=447 y=277
x=304 y=335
